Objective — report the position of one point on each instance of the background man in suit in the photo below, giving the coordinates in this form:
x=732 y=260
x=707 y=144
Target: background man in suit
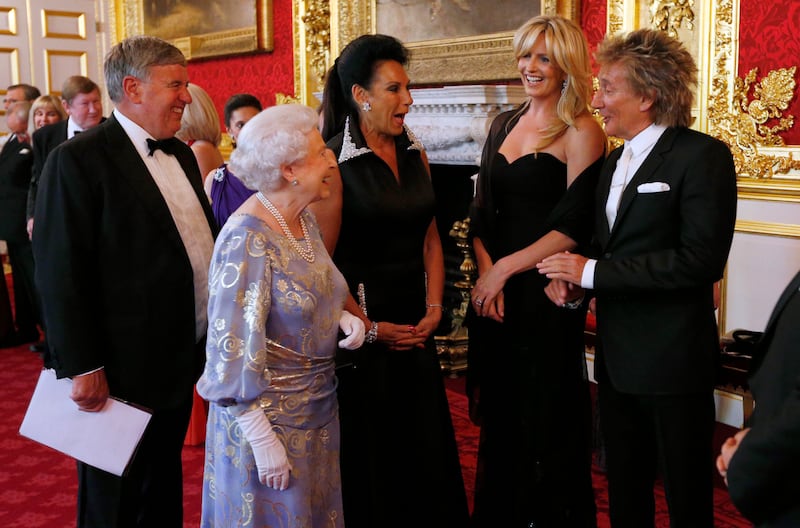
x=664 y=219
x=82 y=102
x=16 y=93
x=760 y=463
x=8 y=336
x=81 y=99
x=15 y=169
x=122 y=258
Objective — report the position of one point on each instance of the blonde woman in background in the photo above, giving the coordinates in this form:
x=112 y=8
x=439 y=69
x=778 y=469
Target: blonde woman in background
x=45 y=110
x=200 y=129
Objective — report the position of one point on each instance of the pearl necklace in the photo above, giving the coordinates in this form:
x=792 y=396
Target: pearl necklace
x=306 y=252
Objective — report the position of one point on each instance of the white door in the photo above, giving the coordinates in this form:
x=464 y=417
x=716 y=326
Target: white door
x=42 y=42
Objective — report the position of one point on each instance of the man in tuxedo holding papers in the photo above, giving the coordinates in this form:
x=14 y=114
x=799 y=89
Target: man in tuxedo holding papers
x=664 y=216
x=122 y=261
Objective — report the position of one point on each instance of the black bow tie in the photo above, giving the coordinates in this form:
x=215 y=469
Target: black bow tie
x=167 y=145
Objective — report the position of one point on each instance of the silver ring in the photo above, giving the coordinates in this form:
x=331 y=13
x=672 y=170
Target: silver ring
x=479 y=302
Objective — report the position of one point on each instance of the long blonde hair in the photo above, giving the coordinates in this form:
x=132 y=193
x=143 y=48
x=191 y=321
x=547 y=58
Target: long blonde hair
x=200 y=120
x=567 y=49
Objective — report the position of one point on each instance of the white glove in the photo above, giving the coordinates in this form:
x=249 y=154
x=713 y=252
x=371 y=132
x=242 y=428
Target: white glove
x=271 y=460
x=353 y=328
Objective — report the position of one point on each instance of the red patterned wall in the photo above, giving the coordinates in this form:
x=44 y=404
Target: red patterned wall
x=261 y=74
x=593 y=22
x=769 y=39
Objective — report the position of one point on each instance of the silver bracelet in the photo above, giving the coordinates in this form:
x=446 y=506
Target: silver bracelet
x=434 y=306
x=573 y=305
x=372 y=333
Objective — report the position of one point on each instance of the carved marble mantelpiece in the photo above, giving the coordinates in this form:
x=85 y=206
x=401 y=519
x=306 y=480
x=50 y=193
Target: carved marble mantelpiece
x=453 y=121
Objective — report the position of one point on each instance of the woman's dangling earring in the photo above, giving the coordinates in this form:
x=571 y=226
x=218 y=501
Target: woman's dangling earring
x=366 y=106
x=563 y=86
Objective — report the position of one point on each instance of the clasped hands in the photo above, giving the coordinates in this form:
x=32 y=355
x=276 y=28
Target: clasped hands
x=406 y=337
x=564 y=269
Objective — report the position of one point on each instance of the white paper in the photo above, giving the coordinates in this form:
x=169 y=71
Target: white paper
x=106 y=439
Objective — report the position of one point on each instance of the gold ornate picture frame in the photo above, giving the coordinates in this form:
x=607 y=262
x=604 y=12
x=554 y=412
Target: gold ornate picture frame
x=323 y=28
x=258 y=36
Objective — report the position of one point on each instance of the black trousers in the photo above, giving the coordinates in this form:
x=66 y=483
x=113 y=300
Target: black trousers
x=150 y=494
x=26 y=311
x=648 y=435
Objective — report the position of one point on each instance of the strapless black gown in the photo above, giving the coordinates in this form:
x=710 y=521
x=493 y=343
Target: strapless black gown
x=535 y=452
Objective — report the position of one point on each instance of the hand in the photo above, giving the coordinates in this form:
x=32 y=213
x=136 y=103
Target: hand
x=400 y=336
x=565 y=266
x=353 y=328
x=269 y=452
x=90 y=391
x=561 y=292
x=486 y=290
x=29 y=227
x=727 y=451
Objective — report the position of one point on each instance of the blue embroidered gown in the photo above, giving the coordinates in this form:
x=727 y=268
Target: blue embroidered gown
x=273 y=326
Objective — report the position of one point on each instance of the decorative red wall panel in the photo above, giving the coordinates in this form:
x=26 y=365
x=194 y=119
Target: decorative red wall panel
x=261 y=74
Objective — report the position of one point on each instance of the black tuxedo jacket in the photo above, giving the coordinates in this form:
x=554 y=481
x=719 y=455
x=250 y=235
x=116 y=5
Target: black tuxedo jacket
x=113 y=273
x=763 y=473
x=44 y=141
x=15 y=173
x=657 y=333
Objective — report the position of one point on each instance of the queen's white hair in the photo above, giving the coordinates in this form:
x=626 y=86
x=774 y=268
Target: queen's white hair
x=276 y=136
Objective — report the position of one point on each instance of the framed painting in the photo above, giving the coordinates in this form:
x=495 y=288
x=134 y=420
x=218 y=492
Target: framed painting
x=451 y=41
x=200 y=28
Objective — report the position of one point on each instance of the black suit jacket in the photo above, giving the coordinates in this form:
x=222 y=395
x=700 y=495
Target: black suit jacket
x=44 y=141
x=763 y=473
x=113 y=273
x=654 y=277
x=15 y=173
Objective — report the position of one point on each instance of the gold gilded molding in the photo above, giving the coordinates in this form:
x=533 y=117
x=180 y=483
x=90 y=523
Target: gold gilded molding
x=671 y=15
x=10 y=14
x=312 y=45
x=741 y=122
x=316 y=23
x=78 y=18
x=751 y=227
x=323 y=29
x=766 y=168
x=281 y=98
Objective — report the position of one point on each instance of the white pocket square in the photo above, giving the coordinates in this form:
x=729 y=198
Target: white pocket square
x=25 y=151
x=653 y=187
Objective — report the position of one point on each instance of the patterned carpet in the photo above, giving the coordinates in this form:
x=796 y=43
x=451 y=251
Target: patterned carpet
x=38 y=485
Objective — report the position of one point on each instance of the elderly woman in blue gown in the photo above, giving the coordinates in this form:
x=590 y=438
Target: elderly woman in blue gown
x=275 y=311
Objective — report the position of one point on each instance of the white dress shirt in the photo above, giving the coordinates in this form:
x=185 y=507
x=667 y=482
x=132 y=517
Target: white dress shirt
x=637 y=149
x=185 y=209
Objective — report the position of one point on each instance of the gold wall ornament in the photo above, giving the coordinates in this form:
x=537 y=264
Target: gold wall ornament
x=741 y=122
x=318 y=37
x=281 y=98
x=671 y=15
x=312 y=47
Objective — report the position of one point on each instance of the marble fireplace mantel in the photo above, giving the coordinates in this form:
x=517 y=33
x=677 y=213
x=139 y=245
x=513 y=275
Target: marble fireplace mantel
x=453 y=121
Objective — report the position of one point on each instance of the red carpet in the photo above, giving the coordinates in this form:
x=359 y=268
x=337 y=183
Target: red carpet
x=38 y=485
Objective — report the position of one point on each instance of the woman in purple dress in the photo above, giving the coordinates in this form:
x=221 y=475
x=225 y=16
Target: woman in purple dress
x=224 y=189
